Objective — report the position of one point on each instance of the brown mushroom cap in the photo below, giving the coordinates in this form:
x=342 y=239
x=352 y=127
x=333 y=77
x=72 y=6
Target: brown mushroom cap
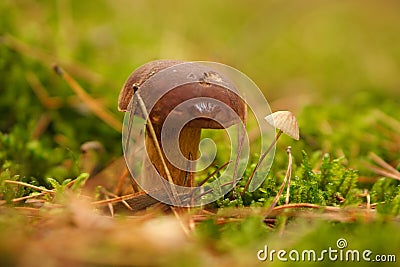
x=138 y=77
x=186 y=90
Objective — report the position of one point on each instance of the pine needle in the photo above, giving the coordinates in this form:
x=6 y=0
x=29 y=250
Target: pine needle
x=100 y=111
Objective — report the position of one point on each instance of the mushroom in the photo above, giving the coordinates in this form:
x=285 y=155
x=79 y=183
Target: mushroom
x=181 y=99
x=286 y=123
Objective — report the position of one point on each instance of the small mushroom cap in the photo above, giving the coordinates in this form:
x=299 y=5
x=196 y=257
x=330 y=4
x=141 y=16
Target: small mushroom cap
x=286 y=122
x=189 y=91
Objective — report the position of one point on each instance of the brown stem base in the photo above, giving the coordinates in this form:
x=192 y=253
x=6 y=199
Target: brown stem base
x=189 y=140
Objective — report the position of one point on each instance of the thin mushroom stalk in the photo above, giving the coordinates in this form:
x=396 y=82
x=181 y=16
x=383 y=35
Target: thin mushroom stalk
x=263 y=155
x=286 y=123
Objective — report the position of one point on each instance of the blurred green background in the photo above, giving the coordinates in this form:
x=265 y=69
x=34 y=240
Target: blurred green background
x=335 y=47
x=335 y=64
x=286 y=48
x=330 y=62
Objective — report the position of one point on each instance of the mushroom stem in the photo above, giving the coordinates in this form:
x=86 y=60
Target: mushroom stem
x=260 y=161
x=189 y=140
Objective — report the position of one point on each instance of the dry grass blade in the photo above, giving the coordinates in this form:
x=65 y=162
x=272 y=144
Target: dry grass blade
x=41 y=92
x=118 y=199
x=385 y=169
x=247 y=211
x=136 y=201
x=28 y=197
x=183 y=225
x=378 y=160
x=388 y=120
x=109 y=205
x=287 y=176
x=368 y=198
x=241 y=135
x=107 y=193
x=189 y=174
x=383 y=172
x=213 y=173
x=41 y=126
x=301 y=210
x=305 y=205
x=158 y=148
x=100 y=111
x=30 y=186
x=131 y=113
x=121 y=181
x=29 y=211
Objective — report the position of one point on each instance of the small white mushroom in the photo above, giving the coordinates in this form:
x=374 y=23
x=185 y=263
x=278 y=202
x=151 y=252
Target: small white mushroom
x=286 y=122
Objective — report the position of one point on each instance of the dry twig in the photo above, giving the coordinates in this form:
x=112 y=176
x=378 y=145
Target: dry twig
x=42 y=189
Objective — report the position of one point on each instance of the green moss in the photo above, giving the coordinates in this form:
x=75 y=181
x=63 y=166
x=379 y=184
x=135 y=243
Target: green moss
x=332 y=55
